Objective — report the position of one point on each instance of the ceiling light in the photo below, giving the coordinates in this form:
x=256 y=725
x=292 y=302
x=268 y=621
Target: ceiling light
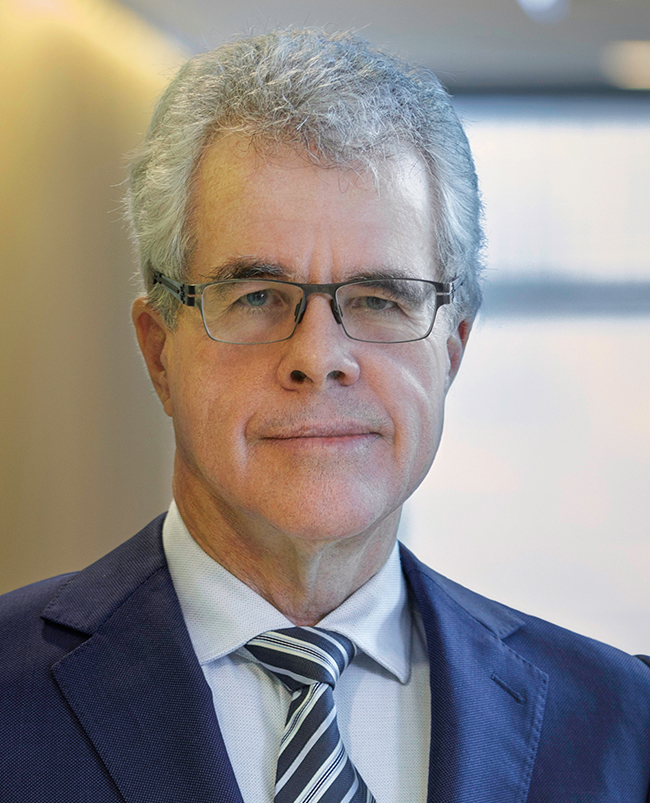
x=627 y=64
x=545 y=10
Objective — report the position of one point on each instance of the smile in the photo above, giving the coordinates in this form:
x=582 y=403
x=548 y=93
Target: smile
x=323 y=435
x=320 y=428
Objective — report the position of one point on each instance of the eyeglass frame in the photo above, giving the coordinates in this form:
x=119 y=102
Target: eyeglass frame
x=191 y=295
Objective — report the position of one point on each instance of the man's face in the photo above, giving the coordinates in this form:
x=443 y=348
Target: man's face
x=320 y=437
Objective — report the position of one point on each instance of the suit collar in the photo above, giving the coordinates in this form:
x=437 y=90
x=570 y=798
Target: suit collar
x=494 y=616
x=91 y=596
x=135 y=685
x=487 y=701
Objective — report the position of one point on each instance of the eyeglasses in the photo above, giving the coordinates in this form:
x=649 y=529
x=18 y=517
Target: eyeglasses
x=256 y=311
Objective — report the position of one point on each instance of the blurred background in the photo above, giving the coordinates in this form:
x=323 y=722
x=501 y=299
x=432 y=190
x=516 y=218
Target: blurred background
x=540 y=495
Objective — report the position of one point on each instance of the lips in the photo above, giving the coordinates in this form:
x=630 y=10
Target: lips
x=322 y=424
x=321 y=429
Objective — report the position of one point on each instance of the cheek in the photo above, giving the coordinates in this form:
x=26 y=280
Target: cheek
x=214 y=395
x=418 y=392
x=196 y=394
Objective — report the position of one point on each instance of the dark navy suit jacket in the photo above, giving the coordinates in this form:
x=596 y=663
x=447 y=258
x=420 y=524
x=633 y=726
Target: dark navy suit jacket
x=103 y=700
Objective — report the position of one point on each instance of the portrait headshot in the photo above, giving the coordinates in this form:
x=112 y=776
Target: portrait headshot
x=312 y=259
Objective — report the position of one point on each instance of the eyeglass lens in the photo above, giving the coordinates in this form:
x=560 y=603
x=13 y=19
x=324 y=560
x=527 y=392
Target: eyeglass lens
x=258 y=311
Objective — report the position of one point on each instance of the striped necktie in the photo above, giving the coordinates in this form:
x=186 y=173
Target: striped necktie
x=313 y=765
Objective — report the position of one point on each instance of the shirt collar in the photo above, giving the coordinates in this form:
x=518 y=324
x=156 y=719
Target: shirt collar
x=222 y=613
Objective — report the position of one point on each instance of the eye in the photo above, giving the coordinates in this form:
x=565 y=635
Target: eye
x=365 y=300
x=375 y=303
x=260 y=298
x=256 y=299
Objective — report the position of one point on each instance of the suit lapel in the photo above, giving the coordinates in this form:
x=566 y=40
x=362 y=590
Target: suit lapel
x=135 y=685
x=487 y=702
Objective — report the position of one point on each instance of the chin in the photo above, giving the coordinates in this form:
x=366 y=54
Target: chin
x=333 y=531
x=336 y=519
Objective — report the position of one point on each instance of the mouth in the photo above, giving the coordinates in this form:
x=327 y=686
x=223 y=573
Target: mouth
x=322 y=429
x=323 y=434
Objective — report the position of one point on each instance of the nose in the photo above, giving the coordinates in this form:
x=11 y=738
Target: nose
x=319 y=353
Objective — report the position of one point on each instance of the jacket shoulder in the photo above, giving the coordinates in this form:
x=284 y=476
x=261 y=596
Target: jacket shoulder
x=44 y=620
x=597 y=709
x=20 y=615
x=32 y=597
x=551 y=647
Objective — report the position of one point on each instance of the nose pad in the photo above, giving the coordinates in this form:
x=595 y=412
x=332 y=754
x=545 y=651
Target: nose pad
x=301 y=307
x=336 y=312
x=299 y=311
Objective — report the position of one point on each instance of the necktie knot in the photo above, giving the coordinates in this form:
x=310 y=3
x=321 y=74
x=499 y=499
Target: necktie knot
x=302 y=656
x=313 y=765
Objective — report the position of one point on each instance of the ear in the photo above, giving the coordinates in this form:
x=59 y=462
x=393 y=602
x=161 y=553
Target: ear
x=154 y=339
x=456 y=347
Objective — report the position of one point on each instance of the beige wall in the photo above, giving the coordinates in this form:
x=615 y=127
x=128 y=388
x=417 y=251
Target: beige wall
x=86 y=451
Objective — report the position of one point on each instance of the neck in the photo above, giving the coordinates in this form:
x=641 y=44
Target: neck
x=304 y=579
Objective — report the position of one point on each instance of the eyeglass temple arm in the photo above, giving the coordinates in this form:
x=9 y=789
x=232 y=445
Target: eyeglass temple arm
x=448 y=294
x=188 y=294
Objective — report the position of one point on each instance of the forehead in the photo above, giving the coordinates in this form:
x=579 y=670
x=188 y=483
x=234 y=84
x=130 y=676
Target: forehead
x=280 y=208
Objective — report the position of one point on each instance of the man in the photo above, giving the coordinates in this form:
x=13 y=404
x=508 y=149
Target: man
x=306 y=214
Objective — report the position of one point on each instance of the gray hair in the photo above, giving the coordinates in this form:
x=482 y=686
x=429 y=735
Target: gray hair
x=330 y=95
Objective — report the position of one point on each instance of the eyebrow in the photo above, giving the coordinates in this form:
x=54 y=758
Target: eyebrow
x=252 y=268
x=244 y=268
x=382 y=275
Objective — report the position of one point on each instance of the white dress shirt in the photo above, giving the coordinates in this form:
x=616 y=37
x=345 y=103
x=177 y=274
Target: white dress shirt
x=382 y=698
